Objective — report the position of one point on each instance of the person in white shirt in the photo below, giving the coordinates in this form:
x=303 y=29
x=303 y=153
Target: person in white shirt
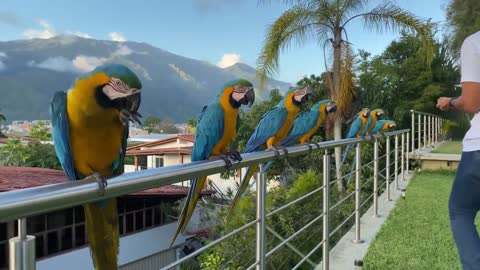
x=464 y=201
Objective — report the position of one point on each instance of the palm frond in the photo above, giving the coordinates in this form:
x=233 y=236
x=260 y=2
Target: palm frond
x=297 y=25
x=347 y=84
x=389 y=17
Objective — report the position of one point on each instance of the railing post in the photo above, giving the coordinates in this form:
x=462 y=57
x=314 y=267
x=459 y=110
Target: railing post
x=375 y=178
x=432 y=135
x=260 y=233
x=396 y=161
x=413 y=130
x=419 y=132
x=358 y=175
x=326 y=210
x=402 y=163
x=407 y=155
x=438 y=129
x=22 y=249
x=425 y=131
x=387 y=169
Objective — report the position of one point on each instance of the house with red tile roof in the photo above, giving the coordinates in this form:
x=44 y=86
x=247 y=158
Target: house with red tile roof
x=147 y=221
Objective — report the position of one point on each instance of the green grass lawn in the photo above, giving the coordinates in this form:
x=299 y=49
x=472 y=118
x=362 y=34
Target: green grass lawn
x=417 y=233
x=450 y=147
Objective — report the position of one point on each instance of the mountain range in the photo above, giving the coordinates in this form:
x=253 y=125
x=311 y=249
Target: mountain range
x=174 y=87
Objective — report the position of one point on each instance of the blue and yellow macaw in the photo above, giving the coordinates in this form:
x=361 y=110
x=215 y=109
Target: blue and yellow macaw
x=357 y=127
x=308 y=122
x=383 y=125
x=271 y=130
x=217 y=127
x=372 y=120
x=90 y=130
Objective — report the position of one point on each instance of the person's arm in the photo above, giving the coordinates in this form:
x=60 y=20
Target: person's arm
x=469 y=101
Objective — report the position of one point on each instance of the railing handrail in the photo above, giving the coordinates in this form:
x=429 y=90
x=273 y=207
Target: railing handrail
x=32 y=201
x=424 y=113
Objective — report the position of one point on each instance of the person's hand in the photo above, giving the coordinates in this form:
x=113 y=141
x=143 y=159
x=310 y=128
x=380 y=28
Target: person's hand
x=443 y=103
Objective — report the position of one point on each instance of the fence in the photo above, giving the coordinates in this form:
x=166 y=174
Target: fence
x=386 y=168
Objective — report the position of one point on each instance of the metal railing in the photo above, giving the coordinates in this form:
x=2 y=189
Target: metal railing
x=426 y=130
x=28 y=202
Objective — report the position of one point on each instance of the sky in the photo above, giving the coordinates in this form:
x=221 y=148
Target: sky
x=221 y=32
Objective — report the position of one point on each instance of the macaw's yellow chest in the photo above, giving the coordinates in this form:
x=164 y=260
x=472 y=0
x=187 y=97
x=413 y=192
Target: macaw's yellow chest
x=229 y=130
x=305 y=138
x=284 y=130
x=95 y=139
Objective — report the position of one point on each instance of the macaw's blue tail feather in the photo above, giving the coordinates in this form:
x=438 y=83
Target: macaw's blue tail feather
x=189 y=206
x=241 y=189
x=344 y=155
x=265 y=168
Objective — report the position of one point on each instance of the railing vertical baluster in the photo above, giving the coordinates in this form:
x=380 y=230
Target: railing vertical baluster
x=375 y=178
x=396 y=162
x=407 y=155
x=413 y=130
x=419 y=132
x=402 y=163
x=22 y=249
x=387 y=169
x=357 y=193
x=326 y=210
x=260 y=233
x=425 y=131
x=432 y=135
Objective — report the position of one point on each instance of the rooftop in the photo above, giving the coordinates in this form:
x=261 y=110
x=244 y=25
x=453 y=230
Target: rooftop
x=13 y=178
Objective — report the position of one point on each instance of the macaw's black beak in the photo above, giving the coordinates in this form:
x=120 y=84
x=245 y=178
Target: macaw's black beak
x=331 y=107
x=129 y=109
x=308 y=93
x=249 y=98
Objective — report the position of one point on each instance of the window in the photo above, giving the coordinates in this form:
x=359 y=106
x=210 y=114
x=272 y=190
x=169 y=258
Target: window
x=158 y=162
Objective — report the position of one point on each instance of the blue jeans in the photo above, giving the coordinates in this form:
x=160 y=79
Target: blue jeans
x=463 y=206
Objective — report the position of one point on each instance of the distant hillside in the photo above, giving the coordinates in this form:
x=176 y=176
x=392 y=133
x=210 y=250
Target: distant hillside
x=175 y=87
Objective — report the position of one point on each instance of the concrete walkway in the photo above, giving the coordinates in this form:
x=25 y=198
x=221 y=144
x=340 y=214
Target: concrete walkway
x=346 y=252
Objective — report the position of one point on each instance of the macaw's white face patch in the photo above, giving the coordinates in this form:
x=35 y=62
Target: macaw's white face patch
x=116 y=88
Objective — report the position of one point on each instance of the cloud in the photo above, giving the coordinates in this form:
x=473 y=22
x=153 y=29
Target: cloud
x=47 y=31
x=229 y=59
x=9 y=18
x=2 y=65
x=79 y=34
x=88 y=63
x=57 y=63
x=122 y=50
x=117 y=37
x=81 y=63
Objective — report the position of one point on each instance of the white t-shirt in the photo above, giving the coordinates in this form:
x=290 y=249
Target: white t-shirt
x=470 y=69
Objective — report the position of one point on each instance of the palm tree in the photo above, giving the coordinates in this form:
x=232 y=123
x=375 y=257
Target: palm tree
x=325 y=21
x=2 y=118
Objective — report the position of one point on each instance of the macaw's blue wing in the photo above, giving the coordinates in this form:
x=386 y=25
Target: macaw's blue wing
x=60 y=133
x=208 y=133
x=378 y=126
x=354 y=128
x=304 y=122
x=268 y=126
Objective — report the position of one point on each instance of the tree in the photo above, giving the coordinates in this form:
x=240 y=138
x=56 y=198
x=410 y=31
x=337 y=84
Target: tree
x=41 y=132
x=32 y=155
x=2 y=119
x=463 y=19
x=326 y=20
x=192 y=125
x=152 y=124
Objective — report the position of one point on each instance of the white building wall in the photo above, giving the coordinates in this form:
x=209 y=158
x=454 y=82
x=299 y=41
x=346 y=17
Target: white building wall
x=133 y=247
